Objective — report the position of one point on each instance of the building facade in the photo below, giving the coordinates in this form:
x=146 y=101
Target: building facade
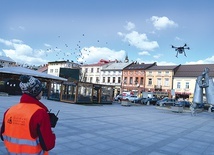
x=54 y=67
x=134 y=77
x=6 y=62
x=111 y=74
x=184 y=80
x=159 y=80
x=91 y=72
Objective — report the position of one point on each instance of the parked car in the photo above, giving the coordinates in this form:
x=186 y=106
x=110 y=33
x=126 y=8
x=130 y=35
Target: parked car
x=118 y=97
x=161 y=100
x=132 y=97
x=182 y=104
x=126 y=97
x=150 y=101
x=166 y=102
x=139 y=100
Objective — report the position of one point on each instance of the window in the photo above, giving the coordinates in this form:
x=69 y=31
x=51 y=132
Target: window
x=86 y=70
x=56 y=70
x=178 y=85
x=104 y=80
x=167 y=72
x=141 y=80
x=98 y=70
x=149 y=81
x=92 y=70
x=91 y=78
x=51 y=70
x=97 y=79
x=187 y=85
x=159 y=72
x=113 y=80
x=136 y=80
x=118 y=80
x=108 y=79
x=166 y=82
x=85 y=79
x=125 y=80
x=130 y=80
x=159 y=81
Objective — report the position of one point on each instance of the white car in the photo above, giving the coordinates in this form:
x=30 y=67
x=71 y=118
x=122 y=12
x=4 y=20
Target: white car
x=132 y=97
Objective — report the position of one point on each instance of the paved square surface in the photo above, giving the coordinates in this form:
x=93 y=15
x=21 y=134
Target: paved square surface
x=119 y=130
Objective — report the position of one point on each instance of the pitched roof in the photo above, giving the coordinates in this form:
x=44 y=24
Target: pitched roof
x=115 y=66
x=194 y=70
x=100 y=63
x=43 y=69
x=136 y=66
x=162 y=67
x=25 y=71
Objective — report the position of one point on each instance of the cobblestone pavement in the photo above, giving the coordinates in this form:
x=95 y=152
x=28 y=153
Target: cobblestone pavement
x=120 y=130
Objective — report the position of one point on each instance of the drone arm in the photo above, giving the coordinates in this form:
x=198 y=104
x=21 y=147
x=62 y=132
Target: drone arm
x=177 y=54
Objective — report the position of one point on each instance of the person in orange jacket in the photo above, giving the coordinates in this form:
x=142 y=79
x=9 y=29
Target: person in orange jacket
x=26 y=127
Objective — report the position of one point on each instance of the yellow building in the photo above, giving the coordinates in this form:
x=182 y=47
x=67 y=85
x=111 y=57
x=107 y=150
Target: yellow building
x=159 y=80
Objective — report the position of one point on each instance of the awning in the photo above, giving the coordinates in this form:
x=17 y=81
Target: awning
x=182 y=93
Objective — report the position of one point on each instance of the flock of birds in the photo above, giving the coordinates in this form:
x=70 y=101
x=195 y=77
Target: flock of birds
x=77 y=52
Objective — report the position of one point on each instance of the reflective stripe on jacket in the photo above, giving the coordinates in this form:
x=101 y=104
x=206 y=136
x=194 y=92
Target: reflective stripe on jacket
x=17 y=137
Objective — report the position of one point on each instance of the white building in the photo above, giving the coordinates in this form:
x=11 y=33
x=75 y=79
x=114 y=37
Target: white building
x=54 y=67
x=91 y=73
x=6 y=62
x=184 y=80
x=111 y=74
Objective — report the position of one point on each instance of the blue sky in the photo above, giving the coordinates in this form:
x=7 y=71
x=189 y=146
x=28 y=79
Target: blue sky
x=39 y=31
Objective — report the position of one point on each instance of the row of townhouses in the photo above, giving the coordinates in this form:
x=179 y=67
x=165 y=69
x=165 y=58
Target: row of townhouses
x=176 y=80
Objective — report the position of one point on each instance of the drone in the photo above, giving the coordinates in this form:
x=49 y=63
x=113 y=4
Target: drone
x=181 y=49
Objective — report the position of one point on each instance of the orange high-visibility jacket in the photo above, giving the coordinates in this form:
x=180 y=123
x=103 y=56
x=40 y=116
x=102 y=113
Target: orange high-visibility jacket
x=17 y=137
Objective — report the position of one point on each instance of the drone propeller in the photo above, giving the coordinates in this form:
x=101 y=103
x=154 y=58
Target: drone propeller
x=173 y=46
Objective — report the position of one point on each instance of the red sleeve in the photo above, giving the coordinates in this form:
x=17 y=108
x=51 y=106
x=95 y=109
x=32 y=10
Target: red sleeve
x=3 y=126
x=40 y=126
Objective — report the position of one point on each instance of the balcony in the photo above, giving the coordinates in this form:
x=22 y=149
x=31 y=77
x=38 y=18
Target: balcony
x=158 y=87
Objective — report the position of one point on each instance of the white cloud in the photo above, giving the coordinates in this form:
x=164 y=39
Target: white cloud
x=21 y=27
x=157 y=56
x=22 y=53
x=162 y=22
x=120 y=33
x=205 y=61
x=2 y=53
x=47 y=45
x=6 y=42
x=177 y=38
x=94 y=54
x=144 y=53
x=139 y=40
x=129 y=26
